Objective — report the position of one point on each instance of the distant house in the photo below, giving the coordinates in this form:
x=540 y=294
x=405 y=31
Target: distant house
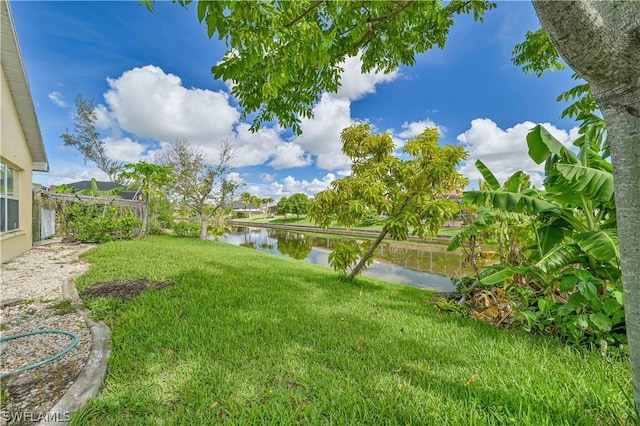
x=240 y=209
x=127 y=194
x=21 y=148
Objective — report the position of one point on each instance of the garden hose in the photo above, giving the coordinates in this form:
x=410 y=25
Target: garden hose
x=39 y=363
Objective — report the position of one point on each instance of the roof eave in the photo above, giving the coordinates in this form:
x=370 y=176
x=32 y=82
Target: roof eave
x=20 y=92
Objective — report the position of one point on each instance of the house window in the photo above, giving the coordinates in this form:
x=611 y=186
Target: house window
x=9 y=202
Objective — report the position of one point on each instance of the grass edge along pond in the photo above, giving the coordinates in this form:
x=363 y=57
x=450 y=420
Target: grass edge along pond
x=245 y=337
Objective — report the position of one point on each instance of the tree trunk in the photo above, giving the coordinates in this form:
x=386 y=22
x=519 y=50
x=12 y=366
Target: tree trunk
x=600 y=40
x=204 y=224
x=355 y=271
x=144 y=212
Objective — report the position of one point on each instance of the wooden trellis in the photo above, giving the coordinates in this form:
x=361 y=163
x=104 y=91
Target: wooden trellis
x=47 y=205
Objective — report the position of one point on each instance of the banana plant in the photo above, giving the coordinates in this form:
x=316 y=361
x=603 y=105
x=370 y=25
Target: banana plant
x=506 y=229
x=572 y=220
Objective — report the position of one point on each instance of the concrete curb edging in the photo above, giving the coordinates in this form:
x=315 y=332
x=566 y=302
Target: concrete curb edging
x=92 y=375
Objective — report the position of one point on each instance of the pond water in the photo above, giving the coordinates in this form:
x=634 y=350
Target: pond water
x=418 y=265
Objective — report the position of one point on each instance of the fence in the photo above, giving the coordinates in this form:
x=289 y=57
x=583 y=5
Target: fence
x=83 y=217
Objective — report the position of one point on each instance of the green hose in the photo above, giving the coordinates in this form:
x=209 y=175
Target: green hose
x=39 y=363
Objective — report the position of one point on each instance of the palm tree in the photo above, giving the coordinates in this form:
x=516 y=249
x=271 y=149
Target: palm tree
x=247 y=199
x=255 y=201
x=267 y=202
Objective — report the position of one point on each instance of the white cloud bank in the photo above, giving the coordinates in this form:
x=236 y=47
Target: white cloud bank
x=153 y=104
x=413 y=129
x=321 y=134
x=148 y=103
x=505 y=152
x=291 y=185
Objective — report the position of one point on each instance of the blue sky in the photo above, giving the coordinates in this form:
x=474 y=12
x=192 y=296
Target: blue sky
x=149 y=74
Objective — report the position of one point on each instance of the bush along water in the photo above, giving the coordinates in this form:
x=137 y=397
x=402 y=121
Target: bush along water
x=548 y=260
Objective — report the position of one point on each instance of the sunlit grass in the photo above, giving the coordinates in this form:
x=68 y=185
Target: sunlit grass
x=245 y=337
x=305 y=221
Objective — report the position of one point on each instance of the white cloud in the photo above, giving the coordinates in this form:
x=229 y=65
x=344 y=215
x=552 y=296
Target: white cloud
x=290 y=155
x=57 y=98
x=291 y=185
x=355 y=84
x=153 y=104
x=267 y=178
x=148 y=103
x=67 y=172
x=321 y=135
x=235 y=177
x=505 y=152
x=412 y=129
x=253 y=149
x=317 y=185
x=125 y=150
x=104 y=120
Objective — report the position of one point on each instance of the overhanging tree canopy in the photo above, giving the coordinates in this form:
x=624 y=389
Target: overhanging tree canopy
x=283 y=55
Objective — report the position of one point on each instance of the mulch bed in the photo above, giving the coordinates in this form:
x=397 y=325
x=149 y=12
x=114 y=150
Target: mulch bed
x=122 y=290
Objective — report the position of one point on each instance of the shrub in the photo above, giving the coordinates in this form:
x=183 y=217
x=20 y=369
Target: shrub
x=186 y=229
x=370 y=219
x=582 y=309
x=97 y=223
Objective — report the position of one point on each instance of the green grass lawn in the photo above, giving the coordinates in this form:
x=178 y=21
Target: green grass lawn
x=305 y=221
x=245 y=337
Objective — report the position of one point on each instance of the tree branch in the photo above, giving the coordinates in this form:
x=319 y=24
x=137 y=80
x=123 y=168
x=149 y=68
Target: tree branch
x=375 y=22
x=392 y=13
x=310 y=9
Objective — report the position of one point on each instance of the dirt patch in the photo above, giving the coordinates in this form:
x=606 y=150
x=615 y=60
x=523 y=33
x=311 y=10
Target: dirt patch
x=122 y=290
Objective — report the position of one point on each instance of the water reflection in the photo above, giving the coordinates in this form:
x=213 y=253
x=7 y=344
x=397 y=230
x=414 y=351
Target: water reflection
x=418 y=265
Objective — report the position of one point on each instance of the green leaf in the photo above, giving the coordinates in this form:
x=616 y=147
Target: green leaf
x=577 y=300
x=501 y=276
x=542 y=144
x=529 y=316
x=581 y=321
x=618 y=317
x=592 y=183
x=582 y=275
x=517 y=182
x=202 y=10
x=601 y=245
x=559 y=257
x=488 y=176
x=509 y=201
x=611 y=306
x=588 y=290
x=537 y=54
x=601 y=321
x=567 y=283
x=566 y=309
x=549 y=236
x=616 y=294
x=544 y=305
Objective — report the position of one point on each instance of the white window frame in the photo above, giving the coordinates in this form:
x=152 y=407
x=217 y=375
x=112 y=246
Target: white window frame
x=4 y=196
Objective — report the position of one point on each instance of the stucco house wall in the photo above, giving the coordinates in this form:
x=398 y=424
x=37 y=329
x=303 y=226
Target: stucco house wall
x=21 y=146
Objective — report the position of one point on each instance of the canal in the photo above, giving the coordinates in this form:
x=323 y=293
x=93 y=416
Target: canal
x=420 y=265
